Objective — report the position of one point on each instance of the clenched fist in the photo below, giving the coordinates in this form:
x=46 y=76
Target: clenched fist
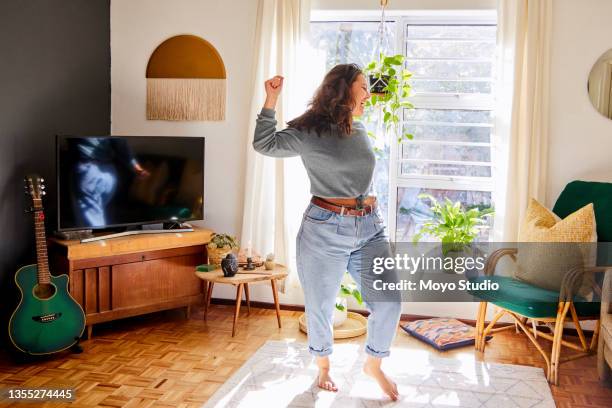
x=274 y=86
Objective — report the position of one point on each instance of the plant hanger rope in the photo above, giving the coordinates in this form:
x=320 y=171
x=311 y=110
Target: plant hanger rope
x=381 y=26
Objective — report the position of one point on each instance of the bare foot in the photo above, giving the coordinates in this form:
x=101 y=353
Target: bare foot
x=325 y=381
x=372 y=368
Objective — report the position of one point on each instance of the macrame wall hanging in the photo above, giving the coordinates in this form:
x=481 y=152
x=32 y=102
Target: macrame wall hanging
x=186 y=80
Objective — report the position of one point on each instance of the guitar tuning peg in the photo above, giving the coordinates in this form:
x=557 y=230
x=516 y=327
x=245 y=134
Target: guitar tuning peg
x=42 y=180
x=42 y=187
x=44 y=193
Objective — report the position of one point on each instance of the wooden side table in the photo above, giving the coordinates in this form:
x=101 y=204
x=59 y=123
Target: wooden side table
x=242 y=280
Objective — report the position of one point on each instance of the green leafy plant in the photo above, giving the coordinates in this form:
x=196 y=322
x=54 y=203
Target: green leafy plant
x=454 y=226
x=347 y=290
x=389 y=70
x=222 y=241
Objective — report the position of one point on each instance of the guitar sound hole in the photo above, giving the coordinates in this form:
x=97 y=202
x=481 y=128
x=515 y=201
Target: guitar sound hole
x=44 y=291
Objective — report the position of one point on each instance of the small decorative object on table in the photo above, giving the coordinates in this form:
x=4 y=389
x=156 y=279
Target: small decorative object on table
x=206 y=268
x=229 y=265
x=219 y=246
x=269 y=262
x=249 y=265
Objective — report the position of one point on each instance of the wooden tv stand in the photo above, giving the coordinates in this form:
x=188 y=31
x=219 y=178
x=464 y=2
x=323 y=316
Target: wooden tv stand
x=127 y=276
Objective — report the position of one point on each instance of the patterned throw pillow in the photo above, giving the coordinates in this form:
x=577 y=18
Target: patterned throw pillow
x=550 y=247
x=441 y=332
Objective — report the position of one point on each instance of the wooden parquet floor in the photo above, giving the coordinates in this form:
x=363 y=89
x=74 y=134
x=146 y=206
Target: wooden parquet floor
x=165 y=360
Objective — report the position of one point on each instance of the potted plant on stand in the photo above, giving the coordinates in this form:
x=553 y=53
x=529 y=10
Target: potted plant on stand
x=346 y=324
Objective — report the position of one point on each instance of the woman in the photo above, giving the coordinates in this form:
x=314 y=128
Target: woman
x=342 y=227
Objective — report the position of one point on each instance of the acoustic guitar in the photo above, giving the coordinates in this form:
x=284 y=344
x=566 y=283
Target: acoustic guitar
x=47 y=319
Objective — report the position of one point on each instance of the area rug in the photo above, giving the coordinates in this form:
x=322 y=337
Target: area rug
x=282 y=374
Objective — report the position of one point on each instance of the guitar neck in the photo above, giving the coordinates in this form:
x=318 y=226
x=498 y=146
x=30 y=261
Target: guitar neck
x=41 y=247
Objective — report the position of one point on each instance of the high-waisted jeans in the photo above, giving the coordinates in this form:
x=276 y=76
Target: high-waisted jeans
x=328 y=245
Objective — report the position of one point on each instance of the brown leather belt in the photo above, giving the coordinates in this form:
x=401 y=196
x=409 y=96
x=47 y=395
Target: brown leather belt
x=343 y=210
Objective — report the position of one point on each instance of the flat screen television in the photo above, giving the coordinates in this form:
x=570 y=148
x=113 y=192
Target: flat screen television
x=119 y=181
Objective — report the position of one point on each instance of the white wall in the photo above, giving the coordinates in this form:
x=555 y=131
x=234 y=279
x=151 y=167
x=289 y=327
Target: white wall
x=580 y=138
x=137 y=28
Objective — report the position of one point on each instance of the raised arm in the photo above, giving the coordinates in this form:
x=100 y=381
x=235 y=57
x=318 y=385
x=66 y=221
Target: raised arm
x=267 y=140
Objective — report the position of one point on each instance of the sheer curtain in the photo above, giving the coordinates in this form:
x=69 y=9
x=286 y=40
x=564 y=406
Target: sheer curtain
x=276 y=190
x=521 y=127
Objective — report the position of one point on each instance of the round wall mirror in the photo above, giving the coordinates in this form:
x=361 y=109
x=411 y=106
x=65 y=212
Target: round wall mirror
x=600 y=84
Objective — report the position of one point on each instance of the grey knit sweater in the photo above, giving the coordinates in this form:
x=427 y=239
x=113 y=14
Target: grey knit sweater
x=337 y=166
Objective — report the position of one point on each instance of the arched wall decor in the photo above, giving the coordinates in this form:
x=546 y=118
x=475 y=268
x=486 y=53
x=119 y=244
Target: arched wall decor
x=186 y=80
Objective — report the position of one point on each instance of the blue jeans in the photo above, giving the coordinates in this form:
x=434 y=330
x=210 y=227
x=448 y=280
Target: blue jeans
x=329 y=244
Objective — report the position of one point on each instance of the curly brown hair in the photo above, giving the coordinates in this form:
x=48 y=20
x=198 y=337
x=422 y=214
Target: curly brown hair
x=332 y=103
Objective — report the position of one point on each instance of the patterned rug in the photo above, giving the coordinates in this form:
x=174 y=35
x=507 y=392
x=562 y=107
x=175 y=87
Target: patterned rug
x=282 y=374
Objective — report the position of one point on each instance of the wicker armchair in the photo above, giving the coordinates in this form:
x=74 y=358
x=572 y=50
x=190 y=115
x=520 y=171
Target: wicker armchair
x=604 y=352
x=524 y=302
x=545 y=307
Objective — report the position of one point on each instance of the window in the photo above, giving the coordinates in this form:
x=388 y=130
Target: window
x=452 y=61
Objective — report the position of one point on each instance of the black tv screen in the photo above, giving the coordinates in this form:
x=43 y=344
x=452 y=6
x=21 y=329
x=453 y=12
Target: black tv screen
x=111 y=181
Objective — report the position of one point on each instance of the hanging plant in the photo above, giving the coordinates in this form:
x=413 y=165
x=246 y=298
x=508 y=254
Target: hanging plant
x=378 y=84
x=390 y=88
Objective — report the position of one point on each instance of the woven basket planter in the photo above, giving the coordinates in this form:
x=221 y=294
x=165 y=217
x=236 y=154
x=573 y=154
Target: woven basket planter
x=215 y=255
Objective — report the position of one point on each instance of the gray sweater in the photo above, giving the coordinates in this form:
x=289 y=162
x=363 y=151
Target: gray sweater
x=337 y=166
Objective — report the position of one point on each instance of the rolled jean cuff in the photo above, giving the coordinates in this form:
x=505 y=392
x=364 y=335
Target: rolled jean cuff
x=320 y=353
x=374 y=353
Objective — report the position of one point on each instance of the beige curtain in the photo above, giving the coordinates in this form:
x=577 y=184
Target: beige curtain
x=521 y=126
x=270 y=216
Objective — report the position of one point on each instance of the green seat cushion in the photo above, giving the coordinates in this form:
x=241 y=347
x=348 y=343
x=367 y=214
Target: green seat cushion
x=577 y=194
x=528 y=300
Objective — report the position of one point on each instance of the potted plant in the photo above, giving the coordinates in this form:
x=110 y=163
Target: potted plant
x=390 y=87
x=219 y=246
x=341 y=311
x=453 y=225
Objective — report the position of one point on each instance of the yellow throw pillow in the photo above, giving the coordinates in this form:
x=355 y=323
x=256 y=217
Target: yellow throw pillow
x=550 y=247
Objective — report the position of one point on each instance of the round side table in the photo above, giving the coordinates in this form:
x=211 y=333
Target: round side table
x=242 y=280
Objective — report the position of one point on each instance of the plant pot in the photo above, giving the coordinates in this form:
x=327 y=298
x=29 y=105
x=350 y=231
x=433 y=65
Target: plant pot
x=378 y=85
x=455 y=252
x=269 y=265
x=216 y=255
x=340 y=315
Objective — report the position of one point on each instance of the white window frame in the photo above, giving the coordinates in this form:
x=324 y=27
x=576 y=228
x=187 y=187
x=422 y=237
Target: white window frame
x=426 y=100
x=438 y=101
